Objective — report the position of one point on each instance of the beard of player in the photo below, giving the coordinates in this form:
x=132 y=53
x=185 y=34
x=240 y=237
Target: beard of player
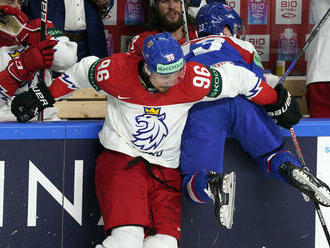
x=164 y=25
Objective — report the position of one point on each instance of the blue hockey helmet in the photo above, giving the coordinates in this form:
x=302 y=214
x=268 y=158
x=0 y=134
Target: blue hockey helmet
x=212 y=18
x=216 y=1
x=163 y=53
x=197 y=3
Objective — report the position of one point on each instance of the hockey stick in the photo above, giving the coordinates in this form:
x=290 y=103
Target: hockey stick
x=301 y=51
x=293 y=136
x=300 y=156
x=283 y=77
x=304 y=167
x=185 y=22
x=322 y=221
x=43 y=17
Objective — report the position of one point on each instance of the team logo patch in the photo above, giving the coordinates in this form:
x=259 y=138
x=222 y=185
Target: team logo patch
x=15 y=54
x=151 y=130
x=170 y=57
x=216 y=86
x=55 y=32
x=91 y=76
x=170 y=68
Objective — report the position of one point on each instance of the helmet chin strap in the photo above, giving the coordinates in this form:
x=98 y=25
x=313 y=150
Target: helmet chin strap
x=147 y=70
x=144 y=74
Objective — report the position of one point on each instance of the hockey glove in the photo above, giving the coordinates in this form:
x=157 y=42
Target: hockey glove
x=286 y=110
x=13 y=25
x=33 y=59
x=28 y=104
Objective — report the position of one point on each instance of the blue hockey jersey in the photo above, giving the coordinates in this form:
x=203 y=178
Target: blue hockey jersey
x=210 y=123
x=216 y=50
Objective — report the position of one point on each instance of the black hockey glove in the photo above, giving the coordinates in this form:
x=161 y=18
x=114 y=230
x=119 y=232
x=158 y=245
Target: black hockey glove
x=286 y=110
x=27 y=104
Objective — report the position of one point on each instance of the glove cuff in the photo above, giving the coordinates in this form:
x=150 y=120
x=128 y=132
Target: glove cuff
x=282 y=103
x=286 y=110
x=18 y=71
x=27 y=104
x=22 y=35
x=43 y=95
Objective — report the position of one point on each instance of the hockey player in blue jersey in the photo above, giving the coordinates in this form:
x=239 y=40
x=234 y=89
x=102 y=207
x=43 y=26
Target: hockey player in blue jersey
x=210 y=123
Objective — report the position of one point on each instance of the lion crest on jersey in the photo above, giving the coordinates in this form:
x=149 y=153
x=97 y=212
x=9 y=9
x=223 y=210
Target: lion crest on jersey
x=151 y=129
x=15 y=54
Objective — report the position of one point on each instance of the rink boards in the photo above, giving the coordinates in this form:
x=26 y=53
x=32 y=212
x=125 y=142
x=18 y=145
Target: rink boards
x=47 y=195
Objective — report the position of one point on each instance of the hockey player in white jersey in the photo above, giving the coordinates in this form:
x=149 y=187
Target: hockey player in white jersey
x=138 y=183
x=20 y=46
x=210 y=123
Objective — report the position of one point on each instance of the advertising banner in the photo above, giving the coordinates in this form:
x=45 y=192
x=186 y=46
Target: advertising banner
x=47 y=194
x=323 y=172
x=284 y=22
x=48 y=201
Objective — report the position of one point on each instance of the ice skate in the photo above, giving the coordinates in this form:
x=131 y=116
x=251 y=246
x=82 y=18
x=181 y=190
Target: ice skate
x=221 y=188
x=307 y=183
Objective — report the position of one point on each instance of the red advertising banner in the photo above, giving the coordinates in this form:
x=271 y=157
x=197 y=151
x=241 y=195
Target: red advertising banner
x=277 y=28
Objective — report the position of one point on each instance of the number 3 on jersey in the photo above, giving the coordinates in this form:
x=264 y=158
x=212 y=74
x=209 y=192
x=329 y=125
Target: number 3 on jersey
x=204 y=77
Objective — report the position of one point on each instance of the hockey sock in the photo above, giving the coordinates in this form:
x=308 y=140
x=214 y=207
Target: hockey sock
x=194 y=187
x=270 y=163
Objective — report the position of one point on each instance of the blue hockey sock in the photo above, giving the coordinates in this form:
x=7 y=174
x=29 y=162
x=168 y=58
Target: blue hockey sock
x=194 y=186
x=270 y=163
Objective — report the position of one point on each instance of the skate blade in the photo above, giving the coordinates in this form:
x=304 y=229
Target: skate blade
x=306 y=198
x=319 y=195
x=231 y=190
